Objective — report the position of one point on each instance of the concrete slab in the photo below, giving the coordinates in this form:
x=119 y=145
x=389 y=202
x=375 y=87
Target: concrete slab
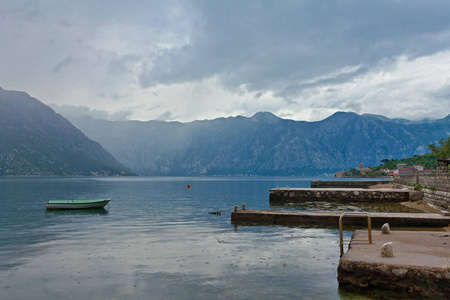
x=420 y=265
x=414 y=248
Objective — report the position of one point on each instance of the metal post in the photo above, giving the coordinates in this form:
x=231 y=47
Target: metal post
x=341 y=236
x=359 y=214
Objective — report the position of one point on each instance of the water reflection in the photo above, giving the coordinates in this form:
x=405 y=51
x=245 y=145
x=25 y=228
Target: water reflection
x=349 y=292
x=157 y=241
x=86 y=211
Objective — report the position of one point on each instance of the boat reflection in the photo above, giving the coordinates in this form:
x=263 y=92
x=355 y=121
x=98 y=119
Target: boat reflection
x=85 y=211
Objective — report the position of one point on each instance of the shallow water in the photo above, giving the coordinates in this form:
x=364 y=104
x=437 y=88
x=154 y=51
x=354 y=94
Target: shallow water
x=158 y=241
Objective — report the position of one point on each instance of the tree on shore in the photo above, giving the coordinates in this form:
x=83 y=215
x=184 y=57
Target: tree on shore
x=442 y=151
x=385 y=161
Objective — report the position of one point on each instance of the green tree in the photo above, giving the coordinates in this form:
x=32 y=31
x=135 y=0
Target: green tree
x=442 y=151
x=353 y=173
x=385 y=161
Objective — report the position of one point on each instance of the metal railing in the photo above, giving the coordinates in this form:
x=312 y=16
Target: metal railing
x=358 y=214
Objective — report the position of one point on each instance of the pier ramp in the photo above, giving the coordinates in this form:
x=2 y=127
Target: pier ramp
x=331 y=218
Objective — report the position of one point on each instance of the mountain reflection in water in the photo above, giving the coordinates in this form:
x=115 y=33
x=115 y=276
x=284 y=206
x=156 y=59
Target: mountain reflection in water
x=158 y=241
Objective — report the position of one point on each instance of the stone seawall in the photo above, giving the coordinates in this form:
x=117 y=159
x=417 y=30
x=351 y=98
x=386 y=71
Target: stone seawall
x=437 y=198
x=296 y=195
x=436 y=188
x=440 y=182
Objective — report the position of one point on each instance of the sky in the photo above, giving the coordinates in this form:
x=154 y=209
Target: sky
x=204 y=59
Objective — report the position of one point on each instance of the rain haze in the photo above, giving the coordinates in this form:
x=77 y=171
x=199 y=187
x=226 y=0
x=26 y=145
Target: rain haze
x=189 y=60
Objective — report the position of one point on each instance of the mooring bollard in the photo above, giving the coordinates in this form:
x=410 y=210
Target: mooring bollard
x=235 y=208
x=243 y=206
x=387 y=250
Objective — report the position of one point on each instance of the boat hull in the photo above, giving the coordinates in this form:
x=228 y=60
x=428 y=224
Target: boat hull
x=76 y=204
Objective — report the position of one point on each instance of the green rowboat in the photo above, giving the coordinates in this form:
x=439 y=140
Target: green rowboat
x=76 y=204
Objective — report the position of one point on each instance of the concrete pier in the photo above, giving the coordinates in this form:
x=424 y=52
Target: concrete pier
x=331 y=218
x=362 y=184
x=299 y=195
x=420 y=264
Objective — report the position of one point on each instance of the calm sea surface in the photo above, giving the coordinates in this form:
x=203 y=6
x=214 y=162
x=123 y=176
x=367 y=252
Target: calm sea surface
x=158 y=241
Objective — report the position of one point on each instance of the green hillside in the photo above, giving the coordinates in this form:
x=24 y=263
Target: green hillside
x=428 y=160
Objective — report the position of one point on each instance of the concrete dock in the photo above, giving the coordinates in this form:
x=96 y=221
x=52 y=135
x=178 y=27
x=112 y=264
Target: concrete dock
x=420 y=265
x=363 y=184
x=331 y=218
x=352 y=195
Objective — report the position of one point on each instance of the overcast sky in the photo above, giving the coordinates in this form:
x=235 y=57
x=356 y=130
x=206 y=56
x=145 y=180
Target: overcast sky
x=186 y=60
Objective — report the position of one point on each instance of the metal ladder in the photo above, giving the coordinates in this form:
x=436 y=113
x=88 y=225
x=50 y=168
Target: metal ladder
x=359 y=214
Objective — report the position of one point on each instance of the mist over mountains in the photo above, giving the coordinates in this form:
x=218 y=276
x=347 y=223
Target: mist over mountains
x=35 y=141
x=263 y=144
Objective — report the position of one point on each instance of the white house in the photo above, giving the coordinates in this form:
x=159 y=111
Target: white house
x=418 y=167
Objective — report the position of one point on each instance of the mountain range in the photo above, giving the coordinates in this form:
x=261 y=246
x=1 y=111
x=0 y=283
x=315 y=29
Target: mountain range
x=263 y=144
x=36 y=141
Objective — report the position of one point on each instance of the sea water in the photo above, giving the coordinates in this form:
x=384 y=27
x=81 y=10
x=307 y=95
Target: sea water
x=158 y=240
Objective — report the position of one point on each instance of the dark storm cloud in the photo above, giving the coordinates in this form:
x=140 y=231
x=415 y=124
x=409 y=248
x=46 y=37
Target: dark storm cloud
x=296 y=89
x=278 y=44
x=197 y=59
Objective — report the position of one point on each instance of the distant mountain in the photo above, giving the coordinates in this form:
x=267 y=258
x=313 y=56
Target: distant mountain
x=35 y=141
x=263 y=144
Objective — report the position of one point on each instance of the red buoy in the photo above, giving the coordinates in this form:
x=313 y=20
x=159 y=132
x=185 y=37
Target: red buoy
x=189 y=186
